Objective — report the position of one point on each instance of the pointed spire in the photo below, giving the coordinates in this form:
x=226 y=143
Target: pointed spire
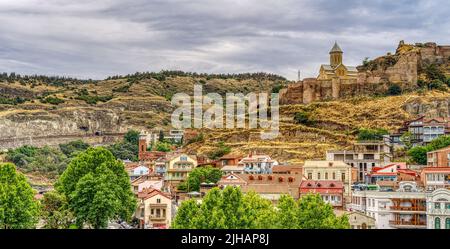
x=336 y=48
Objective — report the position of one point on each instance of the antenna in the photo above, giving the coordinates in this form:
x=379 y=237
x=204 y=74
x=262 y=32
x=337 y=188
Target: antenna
x=298 y=75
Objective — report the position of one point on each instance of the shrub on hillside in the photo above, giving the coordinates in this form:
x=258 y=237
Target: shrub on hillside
x=371 y=134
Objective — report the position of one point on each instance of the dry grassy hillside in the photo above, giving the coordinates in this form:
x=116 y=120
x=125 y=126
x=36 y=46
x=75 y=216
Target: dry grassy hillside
x=31 y=107
x=336 y=125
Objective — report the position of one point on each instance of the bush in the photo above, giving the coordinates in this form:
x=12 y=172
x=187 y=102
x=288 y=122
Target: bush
x=45 y=160
x=52 y=100
x=419 y=153
x=220 y=151
x=163 y=146
x=70 y=149
x=12 y=101
x=433 y=72
x=394 y=89
x=303 y=117
x=371 y=134
x=199 y=138
x=277 y=87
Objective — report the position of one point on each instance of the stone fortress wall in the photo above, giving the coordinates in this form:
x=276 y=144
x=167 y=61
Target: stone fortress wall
x=409 y=59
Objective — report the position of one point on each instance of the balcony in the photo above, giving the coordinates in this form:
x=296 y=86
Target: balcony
x=160 y=170
x=408 y=223
x=157 y=218
x=408 y=209
x=180 y=170
x=158 y=205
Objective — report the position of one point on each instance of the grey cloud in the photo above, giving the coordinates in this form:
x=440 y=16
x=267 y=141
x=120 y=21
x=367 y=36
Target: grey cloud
x=94 y=39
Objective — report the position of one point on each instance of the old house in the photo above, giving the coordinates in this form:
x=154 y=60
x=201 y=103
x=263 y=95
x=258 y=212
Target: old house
x=332 y=192
x=154 y=209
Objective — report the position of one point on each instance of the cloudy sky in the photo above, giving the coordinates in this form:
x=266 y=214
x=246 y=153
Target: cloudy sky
x=95 y=39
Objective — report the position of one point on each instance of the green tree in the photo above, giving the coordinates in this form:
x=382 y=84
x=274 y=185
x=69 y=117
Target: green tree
x=230 y=209
x=314 y=213
x=161 y=136
x=260 y=212
x=418 y=154
x=46 y=160
x=97 y=188
x=287 y=213
x=163 y=146
x=186 y=213
x=371 y=134
x=198 y=175
x=406 y=139
x=18 y=209
x=123 y=150
x=73 y=147
x=55 y=211
x=132 y=137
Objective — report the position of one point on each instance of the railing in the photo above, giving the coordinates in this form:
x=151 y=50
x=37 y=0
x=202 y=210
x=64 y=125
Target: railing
x=399 y=208
x=407 y=223
x=179 y=170
x=155 y=217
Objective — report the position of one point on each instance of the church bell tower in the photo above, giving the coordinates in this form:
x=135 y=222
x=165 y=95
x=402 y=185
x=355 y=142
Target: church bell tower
x=336 y=55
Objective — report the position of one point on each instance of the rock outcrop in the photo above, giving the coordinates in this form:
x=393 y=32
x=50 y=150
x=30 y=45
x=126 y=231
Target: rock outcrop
x=404 y=68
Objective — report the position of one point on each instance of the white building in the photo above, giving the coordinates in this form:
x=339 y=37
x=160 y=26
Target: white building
x=405 y=208
x=438 y=209
x=257 y=164
x=364 y=156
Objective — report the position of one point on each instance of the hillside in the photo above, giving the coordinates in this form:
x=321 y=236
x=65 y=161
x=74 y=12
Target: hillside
x=38 y=106
x=336 y=125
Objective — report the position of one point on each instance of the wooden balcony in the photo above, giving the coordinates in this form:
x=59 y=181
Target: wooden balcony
x=157 y=218
x=407 y=223
x=416 y=208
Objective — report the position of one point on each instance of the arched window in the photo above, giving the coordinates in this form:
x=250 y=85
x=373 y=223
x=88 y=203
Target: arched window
x=447 y=223
x=437 y=223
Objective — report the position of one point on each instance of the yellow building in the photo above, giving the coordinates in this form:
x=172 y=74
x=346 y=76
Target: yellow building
x=178 y=168
x=332 y=171
x=154 y=209
x=336 y=68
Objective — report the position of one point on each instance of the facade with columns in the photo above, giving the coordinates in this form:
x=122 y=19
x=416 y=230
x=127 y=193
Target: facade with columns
x=438 y=209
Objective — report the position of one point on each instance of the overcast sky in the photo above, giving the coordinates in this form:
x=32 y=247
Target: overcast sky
x=95 y=39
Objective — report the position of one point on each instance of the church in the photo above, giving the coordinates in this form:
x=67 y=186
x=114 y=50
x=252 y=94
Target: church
x=336 y=69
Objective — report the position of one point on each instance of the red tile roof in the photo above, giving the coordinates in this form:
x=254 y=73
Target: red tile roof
x=321 y=187
x=150 y=192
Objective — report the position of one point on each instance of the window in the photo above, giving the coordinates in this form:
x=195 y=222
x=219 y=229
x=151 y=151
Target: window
x=447 y=223
x=437 y=205
x=158 y=200
x=318 y=176
x=343 y=176
x=326 y=175
x=447 y=205
x=334 y=176
x=437 y=223
x=310 y=176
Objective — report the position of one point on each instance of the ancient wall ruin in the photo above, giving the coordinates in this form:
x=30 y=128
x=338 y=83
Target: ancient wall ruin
x=405 y=70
